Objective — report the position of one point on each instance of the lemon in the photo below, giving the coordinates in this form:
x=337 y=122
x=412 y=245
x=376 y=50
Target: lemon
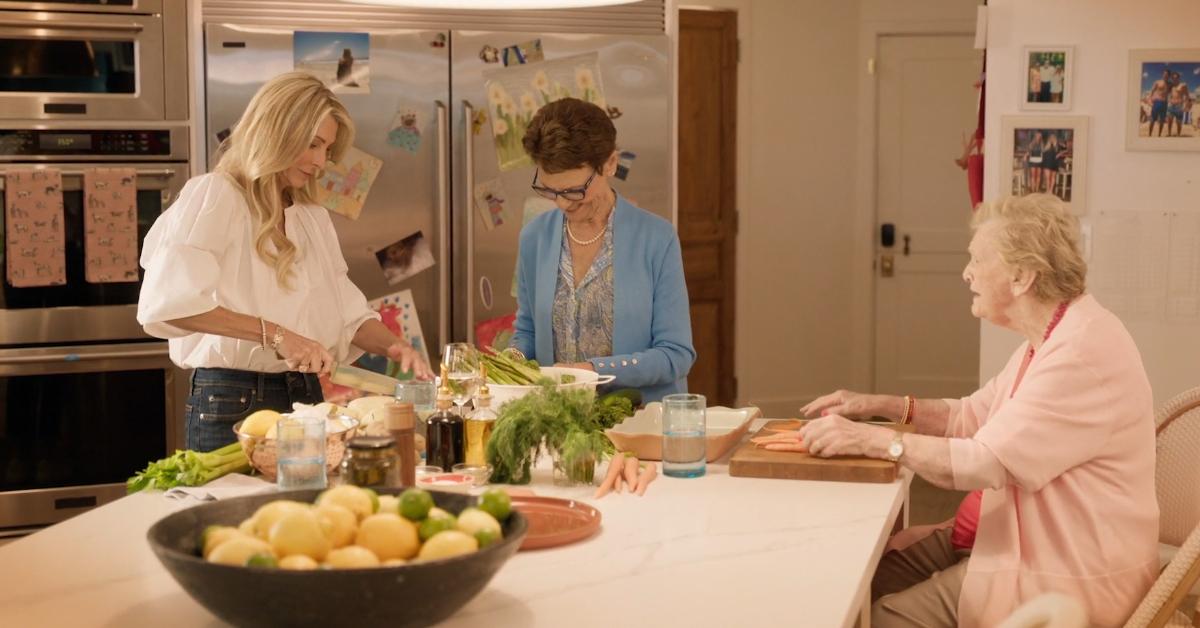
x=473 y=520
x=298 y=562
x=496 y=503
x=415 y=504
x=388 y=536
x=352 y=498
x=389 y=504
x=260 y=422
x=447 y=544
x=351 y=557
x=374 y=499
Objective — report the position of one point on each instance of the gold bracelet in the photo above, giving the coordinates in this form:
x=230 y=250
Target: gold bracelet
x=275 y=342
x=263 y=326
x=910 y=408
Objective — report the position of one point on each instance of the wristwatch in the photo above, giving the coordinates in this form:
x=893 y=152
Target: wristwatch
x=896 y=448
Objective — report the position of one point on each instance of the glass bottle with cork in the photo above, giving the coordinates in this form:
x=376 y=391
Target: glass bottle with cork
x=444 y=446
x=480 y=423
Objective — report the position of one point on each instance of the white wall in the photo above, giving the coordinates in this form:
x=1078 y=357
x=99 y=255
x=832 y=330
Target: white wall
x=800 y=303
x=1103 y=32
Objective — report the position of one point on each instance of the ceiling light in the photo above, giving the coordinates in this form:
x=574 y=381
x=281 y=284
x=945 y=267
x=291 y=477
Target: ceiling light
x=494 y=4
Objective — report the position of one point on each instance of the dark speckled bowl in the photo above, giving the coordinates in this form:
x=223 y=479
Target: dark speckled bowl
x=417 y=594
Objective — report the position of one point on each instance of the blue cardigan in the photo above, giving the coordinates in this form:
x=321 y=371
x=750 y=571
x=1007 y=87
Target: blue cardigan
x=652 y=327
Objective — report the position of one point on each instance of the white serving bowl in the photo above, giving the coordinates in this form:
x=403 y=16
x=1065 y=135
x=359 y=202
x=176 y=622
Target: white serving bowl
x=503 y=393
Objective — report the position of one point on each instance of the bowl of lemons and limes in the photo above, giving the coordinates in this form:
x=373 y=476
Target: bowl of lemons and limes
x=342 y=556
x=256 y=434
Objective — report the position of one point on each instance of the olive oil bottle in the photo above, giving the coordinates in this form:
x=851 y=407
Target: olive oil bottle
x=480 y=423
x=444 y=445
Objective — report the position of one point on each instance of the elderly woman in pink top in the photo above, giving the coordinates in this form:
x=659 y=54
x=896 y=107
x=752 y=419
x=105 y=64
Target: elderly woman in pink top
x=1058 y=449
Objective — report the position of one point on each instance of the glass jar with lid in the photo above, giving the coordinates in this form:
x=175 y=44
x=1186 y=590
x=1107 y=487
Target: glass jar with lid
x=371 y=461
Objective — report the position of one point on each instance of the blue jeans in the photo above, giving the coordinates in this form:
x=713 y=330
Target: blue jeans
x=222 y=397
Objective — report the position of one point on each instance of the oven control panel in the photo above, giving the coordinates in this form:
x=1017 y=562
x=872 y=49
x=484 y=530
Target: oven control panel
x=85 y=142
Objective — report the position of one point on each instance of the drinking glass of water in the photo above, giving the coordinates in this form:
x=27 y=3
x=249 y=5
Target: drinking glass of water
x=683 y=448
x=300 y=452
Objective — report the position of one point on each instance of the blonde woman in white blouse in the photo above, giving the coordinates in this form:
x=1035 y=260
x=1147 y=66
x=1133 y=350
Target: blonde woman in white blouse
x=244 y=273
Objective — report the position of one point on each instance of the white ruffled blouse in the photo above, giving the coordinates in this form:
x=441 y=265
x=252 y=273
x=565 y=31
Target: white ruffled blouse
x=200 y=254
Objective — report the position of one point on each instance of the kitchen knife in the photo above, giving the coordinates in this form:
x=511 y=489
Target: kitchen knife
x=363 y=379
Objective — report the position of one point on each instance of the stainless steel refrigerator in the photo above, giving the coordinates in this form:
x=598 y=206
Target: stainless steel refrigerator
x=435 y=72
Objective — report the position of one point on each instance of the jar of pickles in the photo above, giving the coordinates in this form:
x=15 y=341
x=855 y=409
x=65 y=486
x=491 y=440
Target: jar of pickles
x=371 y=461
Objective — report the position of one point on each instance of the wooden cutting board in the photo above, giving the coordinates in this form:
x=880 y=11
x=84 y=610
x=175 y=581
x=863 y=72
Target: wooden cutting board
x=750 y=461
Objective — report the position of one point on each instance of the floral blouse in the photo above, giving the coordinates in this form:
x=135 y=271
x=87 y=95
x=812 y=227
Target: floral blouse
x=582 y=316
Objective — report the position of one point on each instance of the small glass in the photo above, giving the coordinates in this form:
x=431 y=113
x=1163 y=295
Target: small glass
x=683 y=448
x=300 y=452
x=421 y=393
x=481 y=472
x=428 y=469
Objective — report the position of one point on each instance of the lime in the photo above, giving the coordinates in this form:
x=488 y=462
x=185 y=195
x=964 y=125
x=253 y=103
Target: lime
x=374 y=499
x=415 y=504
x=432 y=525
x=496 y=503
x=262 y=560
x=486 y=537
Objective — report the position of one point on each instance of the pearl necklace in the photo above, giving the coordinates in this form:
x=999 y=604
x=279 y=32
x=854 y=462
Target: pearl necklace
x=571 y=234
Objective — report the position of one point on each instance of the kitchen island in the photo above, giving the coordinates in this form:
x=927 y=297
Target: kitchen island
x=711 y=551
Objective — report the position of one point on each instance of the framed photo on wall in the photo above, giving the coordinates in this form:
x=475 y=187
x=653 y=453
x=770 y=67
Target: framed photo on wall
x=1046 y=73
x=1163 y=88
x=1045 y=154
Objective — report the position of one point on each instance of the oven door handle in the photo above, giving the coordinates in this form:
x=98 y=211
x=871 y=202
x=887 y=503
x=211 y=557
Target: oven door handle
x=150 y=173
x=82 y=357
x=75 y=26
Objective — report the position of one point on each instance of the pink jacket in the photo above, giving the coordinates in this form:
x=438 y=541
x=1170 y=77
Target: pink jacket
x=1077 y=513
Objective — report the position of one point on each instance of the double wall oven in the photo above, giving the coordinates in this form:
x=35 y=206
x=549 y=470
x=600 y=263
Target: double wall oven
x=86 y=397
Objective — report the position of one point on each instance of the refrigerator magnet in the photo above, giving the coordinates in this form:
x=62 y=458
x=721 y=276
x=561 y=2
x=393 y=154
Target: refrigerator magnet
x=522 y=53
x=489 y=54
x=342 y=60
x=489 y=200
x=624 y=164
x=485 y=292
x=478 y=122
x=405 y=132
x=405 y=257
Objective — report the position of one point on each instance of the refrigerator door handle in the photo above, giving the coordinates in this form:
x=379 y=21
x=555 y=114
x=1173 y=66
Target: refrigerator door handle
x=469 y=198
x=443 y=186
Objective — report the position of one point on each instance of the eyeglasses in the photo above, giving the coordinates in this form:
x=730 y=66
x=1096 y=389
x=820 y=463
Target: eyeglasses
x=571 y=194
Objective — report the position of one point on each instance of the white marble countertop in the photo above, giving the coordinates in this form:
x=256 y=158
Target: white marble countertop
x=711 y=551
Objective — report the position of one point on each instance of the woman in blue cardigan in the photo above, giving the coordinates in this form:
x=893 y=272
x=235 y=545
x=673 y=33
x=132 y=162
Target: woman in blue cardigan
x=600 y=282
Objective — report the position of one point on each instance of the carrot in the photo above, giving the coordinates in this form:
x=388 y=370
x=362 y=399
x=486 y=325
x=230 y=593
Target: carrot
x=646 y=477
x=615 y=467
x=631 y=472
x=797 y=447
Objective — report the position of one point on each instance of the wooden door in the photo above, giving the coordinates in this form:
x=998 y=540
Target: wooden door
x=926 y=341
x=707 y=209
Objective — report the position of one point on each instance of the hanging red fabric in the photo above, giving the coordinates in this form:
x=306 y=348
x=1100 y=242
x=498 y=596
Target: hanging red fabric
x=975 y=158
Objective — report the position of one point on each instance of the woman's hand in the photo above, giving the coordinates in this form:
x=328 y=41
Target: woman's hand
x=409 y=359
x=844 y=403
x=835 y=435
x=304 y=354
x=587 y=366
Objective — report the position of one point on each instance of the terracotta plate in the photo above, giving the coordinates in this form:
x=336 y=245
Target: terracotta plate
x=554 y=522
